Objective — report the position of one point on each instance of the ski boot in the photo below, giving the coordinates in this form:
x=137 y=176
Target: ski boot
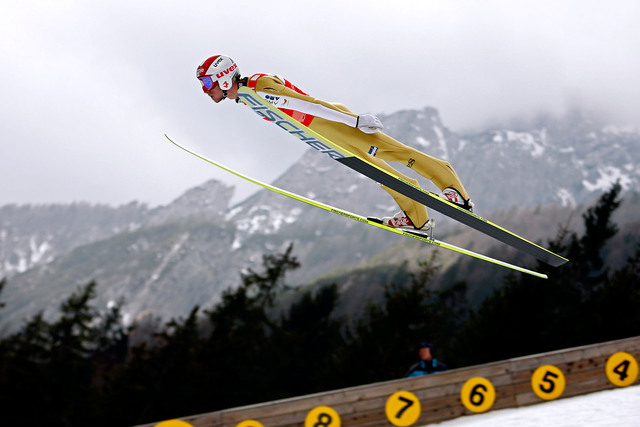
x=452 y=195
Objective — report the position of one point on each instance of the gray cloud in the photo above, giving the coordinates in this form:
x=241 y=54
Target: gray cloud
x=89 y=89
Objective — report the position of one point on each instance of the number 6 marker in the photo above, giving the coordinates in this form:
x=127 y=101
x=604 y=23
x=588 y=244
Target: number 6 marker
x=478 y=394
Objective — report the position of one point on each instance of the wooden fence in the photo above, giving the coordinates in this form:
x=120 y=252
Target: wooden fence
x=438 y=397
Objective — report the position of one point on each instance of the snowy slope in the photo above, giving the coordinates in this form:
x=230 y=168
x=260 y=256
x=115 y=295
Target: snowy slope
x=619 y=407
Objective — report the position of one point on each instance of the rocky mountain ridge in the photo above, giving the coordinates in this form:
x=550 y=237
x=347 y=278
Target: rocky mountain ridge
x=169 y=258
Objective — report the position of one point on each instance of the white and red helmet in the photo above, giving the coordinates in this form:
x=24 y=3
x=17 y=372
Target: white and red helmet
x=218 y=69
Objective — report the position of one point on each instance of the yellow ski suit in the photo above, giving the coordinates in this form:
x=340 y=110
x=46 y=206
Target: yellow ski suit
x=338 y=124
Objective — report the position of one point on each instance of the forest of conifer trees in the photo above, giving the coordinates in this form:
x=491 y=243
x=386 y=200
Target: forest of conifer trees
x=87 y=368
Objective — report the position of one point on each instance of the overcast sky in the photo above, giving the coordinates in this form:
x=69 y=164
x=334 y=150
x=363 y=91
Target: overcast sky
x=88 y=88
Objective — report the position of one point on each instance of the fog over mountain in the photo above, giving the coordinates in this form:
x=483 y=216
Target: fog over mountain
x=530 y=175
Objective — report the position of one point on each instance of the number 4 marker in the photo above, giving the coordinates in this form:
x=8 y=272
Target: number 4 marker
x=622 y=369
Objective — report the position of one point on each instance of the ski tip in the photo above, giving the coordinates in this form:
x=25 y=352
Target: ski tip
x=555 y=260
x=173 y=142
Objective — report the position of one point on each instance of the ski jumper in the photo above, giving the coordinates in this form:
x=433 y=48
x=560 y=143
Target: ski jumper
x=338 y=124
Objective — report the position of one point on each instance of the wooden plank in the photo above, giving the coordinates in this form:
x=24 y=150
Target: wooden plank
x=525 y=399
x=568 y=369
x=440 y=415
x=596 y=384
x=463 y=374
x=439 y=394
x=377 y=417
x=443 y=402
x=306 y=403
x=579 y=353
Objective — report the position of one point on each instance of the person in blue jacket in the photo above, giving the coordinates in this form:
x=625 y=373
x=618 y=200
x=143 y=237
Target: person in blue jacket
x=427 y=364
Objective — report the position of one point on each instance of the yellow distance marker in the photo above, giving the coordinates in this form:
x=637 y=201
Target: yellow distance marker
x=622 y=369
x=403 y=409
x=322 y=416
x=249 y=423
x=478 y=394
x=173 y=423
x=548 y=382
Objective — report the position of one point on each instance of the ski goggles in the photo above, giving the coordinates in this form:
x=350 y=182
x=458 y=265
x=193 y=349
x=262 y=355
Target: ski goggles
x=207 y=82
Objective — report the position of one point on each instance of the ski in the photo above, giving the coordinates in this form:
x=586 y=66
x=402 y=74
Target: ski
x=423 y=237
x=429 y=199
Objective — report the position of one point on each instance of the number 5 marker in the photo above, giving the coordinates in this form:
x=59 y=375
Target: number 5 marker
x=548 y=382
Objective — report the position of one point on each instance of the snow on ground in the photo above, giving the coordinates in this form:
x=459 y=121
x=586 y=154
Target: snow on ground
x=619 y=408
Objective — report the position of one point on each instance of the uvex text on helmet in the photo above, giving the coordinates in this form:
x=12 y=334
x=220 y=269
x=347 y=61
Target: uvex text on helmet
x=221 y=69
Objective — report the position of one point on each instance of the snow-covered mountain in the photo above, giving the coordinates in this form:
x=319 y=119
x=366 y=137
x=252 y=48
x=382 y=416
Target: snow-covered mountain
x=168 y=259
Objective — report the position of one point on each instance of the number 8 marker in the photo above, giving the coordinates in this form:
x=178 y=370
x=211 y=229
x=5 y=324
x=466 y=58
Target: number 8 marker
x=322 y=416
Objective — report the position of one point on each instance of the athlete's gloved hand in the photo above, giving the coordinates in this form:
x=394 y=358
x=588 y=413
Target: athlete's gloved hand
x=368 y=123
